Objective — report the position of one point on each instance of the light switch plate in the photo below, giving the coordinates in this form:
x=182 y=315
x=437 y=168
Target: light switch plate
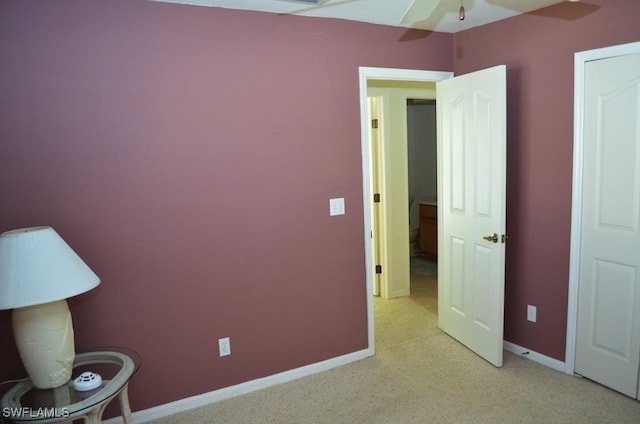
x=336 y=206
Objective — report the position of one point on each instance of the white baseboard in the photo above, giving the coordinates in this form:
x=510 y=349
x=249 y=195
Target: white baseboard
x=171 y=408
x=534 y=356
x=197 y=401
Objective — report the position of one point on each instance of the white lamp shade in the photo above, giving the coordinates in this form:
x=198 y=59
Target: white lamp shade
x=37 y=266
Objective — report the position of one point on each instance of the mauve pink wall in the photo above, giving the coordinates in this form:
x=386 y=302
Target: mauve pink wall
x=188 y=155
x=538 y=50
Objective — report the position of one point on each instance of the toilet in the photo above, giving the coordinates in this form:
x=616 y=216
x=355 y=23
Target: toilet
x=414 y=228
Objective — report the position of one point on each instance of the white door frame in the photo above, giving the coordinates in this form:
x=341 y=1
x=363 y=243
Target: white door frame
x=367 y=73
x=581 y=58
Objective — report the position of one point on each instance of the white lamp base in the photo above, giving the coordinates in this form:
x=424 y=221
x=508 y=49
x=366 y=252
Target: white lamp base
x=44 y=337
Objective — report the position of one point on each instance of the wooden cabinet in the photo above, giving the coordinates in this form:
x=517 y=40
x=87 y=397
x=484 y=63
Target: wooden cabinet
x=429 y=231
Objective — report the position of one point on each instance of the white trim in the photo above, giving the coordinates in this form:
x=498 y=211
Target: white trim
x=581 y=58
x=534 y=356
x=396 y=74
x=367 y=73
x=157 y=412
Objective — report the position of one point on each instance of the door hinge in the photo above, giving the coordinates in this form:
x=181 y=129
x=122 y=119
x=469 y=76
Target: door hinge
x=376 y=197
x=374 y=124
x=378 y=269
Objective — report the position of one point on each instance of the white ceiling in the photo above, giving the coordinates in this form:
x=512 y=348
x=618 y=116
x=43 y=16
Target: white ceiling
x=389 y=12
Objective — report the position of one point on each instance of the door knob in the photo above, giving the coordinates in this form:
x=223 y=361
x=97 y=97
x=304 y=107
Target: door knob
x=493 y=238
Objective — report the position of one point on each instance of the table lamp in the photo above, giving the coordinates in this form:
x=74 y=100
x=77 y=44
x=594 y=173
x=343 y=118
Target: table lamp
x=38 y=272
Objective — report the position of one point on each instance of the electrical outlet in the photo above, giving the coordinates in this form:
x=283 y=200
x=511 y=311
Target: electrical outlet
x=224 y=346
x=531 y=313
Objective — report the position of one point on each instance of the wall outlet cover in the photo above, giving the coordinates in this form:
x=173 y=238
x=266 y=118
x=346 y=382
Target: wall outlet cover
x=224 y=346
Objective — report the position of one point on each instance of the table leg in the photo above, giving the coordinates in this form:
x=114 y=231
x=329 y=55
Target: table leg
x=95 y=415
x=124 y=405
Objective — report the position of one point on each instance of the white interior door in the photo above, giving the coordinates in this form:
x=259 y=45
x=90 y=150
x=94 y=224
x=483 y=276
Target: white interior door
x=471 y=113
x=608 y=326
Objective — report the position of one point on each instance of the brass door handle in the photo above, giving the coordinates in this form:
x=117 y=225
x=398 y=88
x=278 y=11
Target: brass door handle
x=493 y=238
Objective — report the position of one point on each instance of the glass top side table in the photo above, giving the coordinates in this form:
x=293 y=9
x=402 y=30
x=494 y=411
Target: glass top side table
x=116 y=366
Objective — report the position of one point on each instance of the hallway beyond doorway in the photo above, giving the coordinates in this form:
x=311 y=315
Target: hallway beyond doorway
x=424 y=283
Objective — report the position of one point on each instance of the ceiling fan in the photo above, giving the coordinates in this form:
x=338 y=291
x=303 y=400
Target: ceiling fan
x=420 y=10
x=316 y=4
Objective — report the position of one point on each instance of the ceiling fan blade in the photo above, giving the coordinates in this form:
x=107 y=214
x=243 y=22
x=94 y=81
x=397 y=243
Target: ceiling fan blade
x=314 y=5
x=419 y=10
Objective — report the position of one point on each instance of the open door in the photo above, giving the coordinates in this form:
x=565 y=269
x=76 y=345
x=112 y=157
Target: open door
x=471 y=114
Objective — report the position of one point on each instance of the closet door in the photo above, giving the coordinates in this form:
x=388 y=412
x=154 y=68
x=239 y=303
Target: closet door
x=608 y=329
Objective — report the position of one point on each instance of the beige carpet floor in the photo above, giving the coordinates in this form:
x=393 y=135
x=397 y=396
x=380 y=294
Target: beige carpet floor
x=421 y=375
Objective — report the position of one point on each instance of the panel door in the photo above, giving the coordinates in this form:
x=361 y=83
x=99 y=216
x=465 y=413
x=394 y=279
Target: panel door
x=608 y=330
x=471 y=113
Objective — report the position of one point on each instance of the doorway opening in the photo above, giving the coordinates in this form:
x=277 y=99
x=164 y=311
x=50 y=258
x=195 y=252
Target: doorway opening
x=394 y=167
x=473 y=189
x=423 y=196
